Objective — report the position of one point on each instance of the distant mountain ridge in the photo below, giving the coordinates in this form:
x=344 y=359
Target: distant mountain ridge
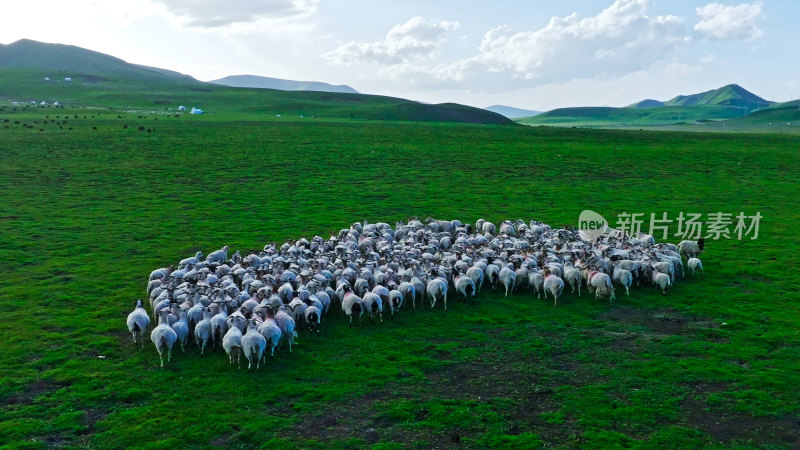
x=76 y=76
x=255 y=81
x=731 y=95
x=26 y=53
x=649 y=103
x=728 y=102
x=511 y=112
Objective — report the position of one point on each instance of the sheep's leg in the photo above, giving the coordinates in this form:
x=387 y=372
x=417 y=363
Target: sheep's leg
x=161 y=357
x=445 y=302
x=169 y=354
x=626 y=290
x=555 y=299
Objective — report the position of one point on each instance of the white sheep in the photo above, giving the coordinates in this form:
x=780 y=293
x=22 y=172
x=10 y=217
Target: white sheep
x=465 y=286
x=138 y=321
x=190 y=262
x=536 y=281
x=409 y=293
x=600 y=285
x=219 y=256
x=253 y=345
x=623 y=278
x=202 y=331
x=476 y=273
x=661 y=280
x=691 y=249
x=395 y=301
x=373 y=305
x=181 y=327
x=573 y=277
x=552 y=284
x=351 y=305
x=163 y=337
x=218 y=325
x=287 y=325
x=695 y=265
x=312 y=318
x=297 y=309
x=271 y=332
x=232 y=343
x=491 y=273
x=437 y=287
x=508 y=277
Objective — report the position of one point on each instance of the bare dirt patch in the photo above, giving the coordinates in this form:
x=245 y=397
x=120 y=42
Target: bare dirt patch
x=31 y=392
x=730 y=426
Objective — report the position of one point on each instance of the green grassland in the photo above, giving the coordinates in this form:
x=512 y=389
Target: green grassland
x=86 y=213
x=168 y=93
x=606 y=116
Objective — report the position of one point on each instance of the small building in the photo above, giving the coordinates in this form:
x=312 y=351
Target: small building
x=56 y=104
x=181 y=108
x=67 y=79
x=46 y=78
x=196 y=111
x=44 y=103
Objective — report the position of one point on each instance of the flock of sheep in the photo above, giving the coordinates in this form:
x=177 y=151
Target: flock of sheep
x=249 y=305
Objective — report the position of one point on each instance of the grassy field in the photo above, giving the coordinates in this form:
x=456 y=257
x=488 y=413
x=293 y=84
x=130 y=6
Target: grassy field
x=605 y=116
x=163 y=96
x=86 y=214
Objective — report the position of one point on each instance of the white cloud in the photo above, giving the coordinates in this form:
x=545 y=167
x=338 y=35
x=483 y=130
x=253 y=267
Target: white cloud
x=730 y=22
x=619 y=40
x=221 y=13
x=416 y=39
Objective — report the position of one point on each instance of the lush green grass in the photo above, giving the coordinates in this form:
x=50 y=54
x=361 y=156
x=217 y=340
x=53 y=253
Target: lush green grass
x=85 y=215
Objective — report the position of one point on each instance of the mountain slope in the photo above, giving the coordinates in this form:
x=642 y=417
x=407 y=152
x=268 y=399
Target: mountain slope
x=511 y=112
x=731 y=95
x=607 y=116
x=649 y=103
x=254 y=81
x=76 y=61
x=103 y=80
x=728 y=102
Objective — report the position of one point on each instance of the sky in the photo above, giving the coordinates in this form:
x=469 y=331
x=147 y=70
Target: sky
x=532 y=54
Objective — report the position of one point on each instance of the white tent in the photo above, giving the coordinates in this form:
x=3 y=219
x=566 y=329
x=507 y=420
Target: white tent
x=196 y=111
x=181 y=108
x=46 y=78
x=67 y=79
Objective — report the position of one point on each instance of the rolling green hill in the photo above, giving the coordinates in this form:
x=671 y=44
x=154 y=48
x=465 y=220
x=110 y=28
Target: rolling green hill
x=731 y=95
x=104 y=81
x=728 y=102
x=607 y=116
x=79 y=63
x=649 y=103
x=254 y=81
